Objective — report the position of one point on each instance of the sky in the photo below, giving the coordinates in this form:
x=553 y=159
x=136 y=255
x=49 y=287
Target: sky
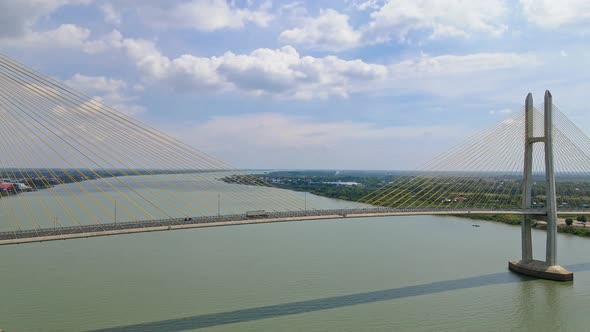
x=357 y=84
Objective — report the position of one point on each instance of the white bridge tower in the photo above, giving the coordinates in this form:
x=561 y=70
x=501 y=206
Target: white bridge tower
x=547 y=269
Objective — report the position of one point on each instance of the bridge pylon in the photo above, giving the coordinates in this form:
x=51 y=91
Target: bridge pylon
x=547 y=269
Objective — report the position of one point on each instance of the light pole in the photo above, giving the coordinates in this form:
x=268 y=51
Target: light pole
x=305 y=202
x=218 y=205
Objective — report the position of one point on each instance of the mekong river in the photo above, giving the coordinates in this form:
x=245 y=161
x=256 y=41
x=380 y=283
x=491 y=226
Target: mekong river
x=380 y=274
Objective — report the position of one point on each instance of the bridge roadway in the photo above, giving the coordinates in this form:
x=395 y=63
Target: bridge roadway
x=105 y=229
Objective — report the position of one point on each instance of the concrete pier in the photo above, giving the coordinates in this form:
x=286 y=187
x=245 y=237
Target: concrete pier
x=540 y=269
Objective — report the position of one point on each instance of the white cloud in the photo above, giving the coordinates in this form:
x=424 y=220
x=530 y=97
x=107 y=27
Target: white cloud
x=279 y=140
x=17 y=20
x=208 y=15
x=295 y=9
x=18 y=16
x=202 y=15
x=280 y=72
x=284 y=73
x=449 y=18
x=553 y=14
x=397 y=19
x=112 y=40
x=367 y=4
x=93 y=84
x=64 y=36
x=111 y=14
x=112 y=92
x=504 y=111
x=329 y=31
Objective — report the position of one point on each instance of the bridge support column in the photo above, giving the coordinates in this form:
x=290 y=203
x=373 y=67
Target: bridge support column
x=550 y=177
x=547 y=269
x=527 y=180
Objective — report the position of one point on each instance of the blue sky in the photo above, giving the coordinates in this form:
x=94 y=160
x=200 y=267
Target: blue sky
x=358 y=84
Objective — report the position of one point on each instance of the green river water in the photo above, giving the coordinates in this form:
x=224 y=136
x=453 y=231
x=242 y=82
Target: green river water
x=419 y=273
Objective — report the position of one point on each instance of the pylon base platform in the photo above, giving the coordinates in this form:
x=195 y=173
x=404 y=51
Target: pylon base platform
x=540 y=269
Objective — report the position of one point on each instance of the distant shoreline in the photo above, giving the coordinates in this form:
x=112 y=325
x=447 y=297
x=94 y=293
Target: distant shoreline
x=580 y=229
x=354 y=185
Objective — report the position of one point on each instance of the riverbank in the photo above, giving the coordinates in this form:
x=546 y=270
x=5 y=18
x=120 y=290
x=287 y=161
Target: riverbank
x=580 y=229
x=356 y=185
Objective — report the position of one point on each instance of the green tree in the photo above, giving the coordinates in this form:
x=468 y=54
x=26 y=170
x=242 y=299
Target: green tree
x=569 y=221
x=582 y=219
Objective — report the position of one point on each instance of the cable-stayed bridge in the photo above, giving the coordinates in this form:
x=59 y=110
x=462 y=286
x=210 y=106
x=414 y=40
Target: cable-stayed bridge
x=127 y=227
x=72 y=167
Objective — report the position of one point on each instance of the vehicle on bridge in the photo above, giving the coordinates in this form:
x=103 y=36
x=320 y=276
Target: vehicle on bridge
x=257 y=214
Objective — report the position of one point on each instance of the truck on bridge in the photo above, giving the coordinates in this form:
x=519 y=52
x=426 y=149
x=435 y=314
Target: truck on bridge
x=257 y=214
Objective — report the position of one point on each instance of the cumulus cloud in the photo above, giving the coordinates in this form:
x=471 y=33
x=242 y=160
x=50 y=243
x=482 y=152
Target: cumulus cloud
x=329 y=31
x=553 y=14
x=17 y=20
x=64 y=36
x=278 y=72
x=112 y=92
x=284 y=73
x=112 y=40
x=366 y=4
x=111 y=14
x=397 y=19
x=208 y=15
x=18 y=16
x=94 y=84
x=441 y=18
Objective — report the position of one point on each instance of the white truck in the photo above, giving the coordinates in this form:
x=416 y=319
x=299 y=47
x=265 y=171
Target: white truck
x=257 y=214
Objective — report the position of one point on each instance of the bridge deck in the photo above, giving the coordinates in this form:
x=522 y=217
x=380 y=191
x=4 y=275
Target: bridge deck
x=85 y=231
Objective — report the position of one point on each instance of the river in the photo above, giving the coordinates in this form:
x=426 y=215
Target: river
x=376 y=274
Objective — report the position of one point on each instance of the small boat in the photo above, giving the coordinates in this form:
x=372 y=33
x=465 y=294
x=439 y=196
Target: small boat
x=475 y=225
